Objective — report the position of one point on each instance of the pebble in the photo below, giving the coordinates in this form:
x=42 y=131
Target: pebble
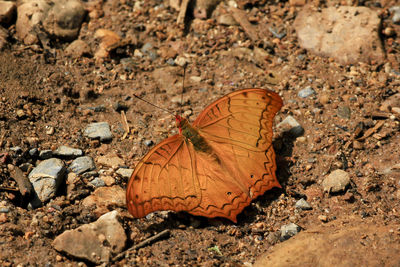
x=124 y=172
x=82 y=164
x=77 y=49
x=95 y=242
x=97 y=182
x=289 y=230
x=171 y=62
x=227 y=20
x=336 y=181
x=67 y=152
x=344 y=112
x=46 y=178
x=112 y=161
x=108 y=180
x=303 y=205
x=34 y=152
x=45 y=154
x=16 y=149
x=396 y=14
x=289 y=124
x=306 y=92
x=323 y=218
x=98 y=130
x=20 y=113
x=148 y=143
x=104 y=197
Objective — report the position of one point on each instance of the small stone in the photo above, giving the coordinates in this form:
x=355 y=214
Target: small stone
x=34 y=152
x=49 y=130
x=118 y=106
x=20 y=113
x=324 y=99
x=104 y=198
x=358 y=145
x=148 y=143
x=195 y=79
x=344 y=112
x=226 y=19
x=67 y=152
x=303 y=205
x=16 y=149
x=98 y=130
x=306 y=92
x=124 y=172
x=97 y=182
x=396 y=14
x=112 y=161
x=336 y=182
x=108 y=180
x=84 y=242
x=323 y=218
x=45 y=154
x=289 y=230
x=389 y=31
x=82 y=164
x=77 y=49
x=47 y=177
x=181 y=61
x=289 y=124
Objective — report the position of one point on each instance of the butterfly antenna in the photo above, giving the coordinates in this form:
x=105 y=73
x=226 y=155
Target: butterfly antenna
x=164 y=109
x=183 y=88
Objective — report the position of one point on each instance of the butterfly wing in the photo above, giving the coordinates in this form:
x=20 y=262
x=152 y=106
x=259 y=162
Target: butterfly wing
x=164 y=180
x=238 y=128
x=175 y=175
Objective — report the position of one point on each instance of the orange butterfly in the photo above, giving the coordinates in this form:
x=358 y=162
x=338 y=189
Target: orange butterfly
x=214 y=167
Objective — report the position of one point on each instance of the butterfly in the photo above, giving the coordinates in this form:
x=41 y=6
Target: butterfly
x=214 y=167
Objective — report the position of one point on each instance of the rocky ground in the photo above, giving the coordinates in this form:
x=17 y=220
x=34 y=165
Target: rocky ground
x=71 y=131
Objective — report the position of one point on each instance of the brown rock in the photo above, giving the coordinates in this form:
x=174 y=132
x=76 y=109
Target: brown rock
x=347 y=34
x=77 y=49
x=95 y=242
x=105 y=199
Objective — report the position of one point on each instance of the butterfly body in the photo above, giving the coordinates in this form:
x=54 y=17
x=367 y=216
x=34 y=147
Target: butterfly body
x=215 y=166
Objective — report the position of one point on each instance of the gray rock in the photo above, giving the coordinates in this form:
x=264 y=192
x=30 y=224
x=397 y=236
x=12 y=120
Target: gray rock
x=148 y=143
x=67 y=152
x=124 y=172
x=82 y=164
x=7 y=11
x=289 y=230
x=306 y=92
x=344 y=112
x=99 y=130
x=34 y=152
x=303 y=205
x=96 y=242
x=341 y=33
x=336 y=182
x=396 y=14
x=16 y=149
x=289 y=124
x=64 y=19
x=98 y=182
x=45 y=154
x=47 y=177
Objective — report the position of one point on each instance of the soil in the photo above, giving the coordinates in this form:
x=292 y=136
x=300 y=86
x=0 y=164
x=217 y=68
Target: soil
x=44 y=89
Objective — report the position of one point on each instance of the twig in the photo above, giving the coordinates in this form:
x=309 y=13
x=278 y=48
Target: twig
x=124 y=124
x=24 y=185
x=5 y=188
x=2 y=139
x=371 y=131
x=182 y=11
x=144 y=243
x=241 y=17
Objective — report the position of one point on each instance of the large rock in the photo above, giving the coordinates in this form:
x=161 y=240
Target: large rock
x=347 y=242
x=47 y=177
x=7 y=11
x=59 y=18
x=105 y=199
x=348 y=34
x=96 y=242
